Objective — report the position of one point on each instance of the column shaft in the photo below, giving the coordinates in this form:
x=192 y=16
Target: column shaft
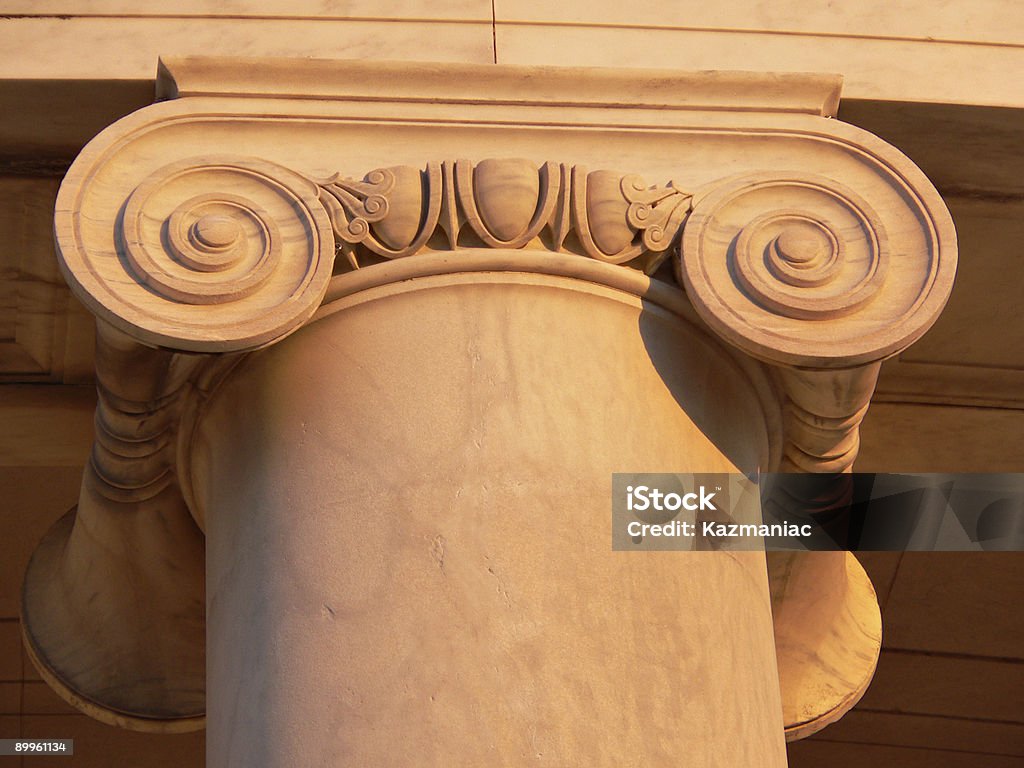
x=409 y=560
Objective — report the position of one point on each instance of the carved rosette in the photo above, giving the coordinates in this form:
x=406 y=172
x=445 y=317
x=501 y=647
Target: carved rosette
x=796 y=269
x=215 y=254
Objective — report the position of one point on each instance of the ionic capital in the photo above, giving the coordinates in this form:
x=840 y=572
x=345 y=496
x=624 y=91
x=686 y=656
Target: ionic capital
x=208 y=226
x=228 y=253
x=212 y=223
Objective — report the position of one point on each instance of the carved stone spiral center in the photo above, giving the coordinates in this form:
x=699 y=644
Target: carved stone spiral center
x=802 y=247
x=215 y=232
x=794 y=249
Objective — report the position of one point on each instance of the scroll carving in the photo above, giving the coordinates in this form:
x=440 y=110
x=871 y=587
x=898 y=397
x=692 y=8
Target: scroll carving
x=228 y=254
x=212 y=255
x=787 y=267
x=795 y=269
x=385 y=212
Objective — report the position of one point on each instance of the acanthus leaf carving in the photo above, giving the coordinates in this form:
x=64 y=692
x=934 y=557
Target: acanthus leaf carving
x=392 y=212
x=659 y=213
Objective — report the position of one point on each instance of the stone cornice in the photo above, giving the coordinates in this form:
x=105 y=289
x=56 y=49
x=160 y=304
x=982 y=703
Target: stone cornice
x=396 y=81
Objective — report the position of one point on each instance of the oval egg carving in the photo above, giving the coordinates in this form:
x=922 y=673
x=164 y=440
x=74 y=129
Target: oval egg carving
x=506 y=194
x=606 y=212
x=406 y=201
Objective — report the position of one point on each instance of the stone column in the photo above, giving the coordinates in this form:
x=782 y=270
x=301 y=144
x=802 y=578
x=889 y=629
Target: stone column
x=401 y=458
x=409 y=562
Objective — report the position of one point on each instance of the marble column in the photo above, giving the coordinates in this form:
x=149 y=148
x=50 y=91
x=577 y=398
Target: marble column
x=409 y=562
x=385 y=388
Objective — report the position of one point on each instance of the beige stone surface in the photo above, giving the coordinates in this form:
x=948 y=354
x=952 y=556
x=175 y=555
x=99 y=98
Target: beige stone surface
x=961 y=734
x=131 y=553
x=454 y=10
x=887 y=51
x=828 y=633
x=769 y=184
x=127 y=48
x=464 y=84
x=128 y=651
x=884 y=50
x=477 y=602
x=966 y=737
x=985 y=21
x=911 y=50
